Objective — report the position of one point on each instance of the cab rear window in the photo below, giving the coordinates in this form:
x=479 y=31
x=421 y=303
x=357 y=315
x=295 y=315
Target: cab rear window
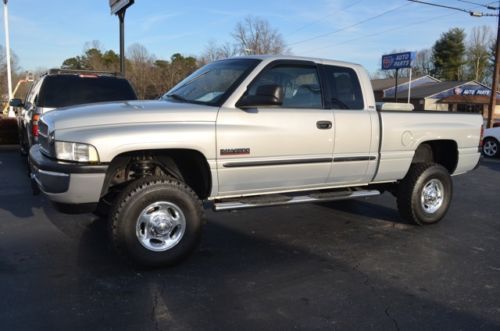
x=69 y=90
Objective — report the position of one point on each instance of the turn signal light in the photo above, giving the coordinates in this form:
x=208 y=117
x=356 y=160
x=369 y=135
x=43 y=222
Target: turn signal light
x=34 y=124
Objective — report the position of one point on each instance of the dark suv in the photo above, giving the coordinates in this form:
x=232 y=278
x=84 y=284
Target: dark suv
x=61 y=88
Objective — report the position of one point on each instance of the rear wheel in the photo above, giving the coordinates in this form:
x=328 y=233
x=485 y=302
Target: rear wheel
x=490 y=147
x=425 y=193
x=156 y=221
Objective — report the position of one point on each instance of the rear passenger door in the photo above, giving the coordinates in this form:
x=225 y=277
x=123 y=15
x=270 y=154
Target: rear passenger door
x=355 y=136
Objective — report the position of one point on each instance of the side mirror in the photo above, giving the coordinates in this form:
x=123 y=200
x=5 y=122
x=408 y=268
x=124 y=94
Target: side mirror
x=16 y=103
x=266 y=95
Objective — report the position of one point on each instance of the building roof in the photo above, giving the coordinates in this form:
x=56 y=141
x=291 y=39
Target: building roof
x=384 y=83
x=428 y=90
x=389 y=83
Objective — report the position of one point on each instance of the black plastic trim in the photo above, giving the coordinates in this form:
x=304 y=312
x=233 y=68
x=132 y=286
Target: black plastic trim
x=427 y=112
x=42 y=162
x=50 y=183
x=275 y=163
x=354 y=158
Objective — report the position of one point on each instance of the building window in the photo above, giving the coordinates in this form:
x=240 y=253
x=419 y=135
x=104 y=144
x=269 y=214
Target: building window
x=470 y=108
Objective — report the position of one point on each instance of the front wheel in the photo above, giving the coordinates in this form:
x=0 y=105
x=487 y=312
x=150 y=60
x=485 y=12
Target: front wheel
x=424 y=195
x=156 y=221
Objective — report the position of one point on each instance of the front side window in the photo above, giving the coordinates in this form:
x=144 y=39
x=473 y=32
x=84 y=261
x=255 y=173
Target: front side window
x=344 y=88
x=300 y=85
x=212 y=83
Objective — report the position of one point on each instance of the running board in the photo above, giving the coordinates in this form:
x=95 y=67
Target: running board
x=279 y=200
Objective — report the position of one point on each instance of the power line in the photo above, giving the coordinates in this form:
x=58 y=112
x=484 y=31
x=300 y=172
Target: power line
x=480 y=4
x=442 y=6
x=324 y=17
x=350 y=26
x=472 y=13
x=380 y=32
x=385 y=31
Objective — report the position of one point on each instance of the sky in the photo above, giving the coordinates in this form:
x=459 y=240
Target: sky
x=44 y=33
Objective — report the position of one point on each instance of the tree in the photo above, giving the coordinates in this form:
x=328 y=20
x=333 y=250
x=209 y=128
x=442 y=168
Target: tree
x=180 y=67
x=140 y=66
x=93 y=59
x=424 y=62
x=477 y=53
x=111 y=61
x=150 y=77
x=214 y=52
x=448 y=53
x=74 y=63
x=256 y=36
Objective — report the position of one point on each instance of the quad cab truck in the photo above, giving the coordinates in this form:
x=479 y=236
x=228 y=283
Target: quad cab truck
x=246 y=132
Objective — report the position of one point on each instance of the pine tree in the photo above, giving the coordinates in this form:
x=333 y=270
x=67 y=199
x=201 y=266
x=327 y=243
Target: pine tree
x=449 y=54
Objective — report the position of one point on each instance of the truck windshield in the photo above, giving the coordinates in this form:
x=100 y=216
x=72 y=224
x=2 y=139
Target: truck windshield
x=213 y=83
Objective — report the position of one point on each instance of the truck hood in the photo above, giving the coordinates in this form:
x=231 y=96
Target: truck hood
x=128 y=112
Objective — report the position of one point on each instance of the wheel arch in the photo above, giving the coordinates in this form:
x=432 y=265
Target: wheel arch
x=187 y=165
x=443 y=152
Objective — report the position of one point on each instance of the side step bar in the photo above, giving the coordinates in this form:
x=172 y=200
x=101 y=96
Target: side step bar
x=278 y=200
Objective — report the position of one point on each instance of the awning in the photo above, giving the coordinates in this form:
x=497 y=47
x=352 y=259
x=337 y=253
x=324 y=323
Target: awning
x=468 y=99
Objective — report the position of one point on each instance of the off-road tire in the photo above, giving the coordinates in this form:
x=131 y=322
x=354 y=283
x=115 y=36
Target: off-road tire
x=129 y=204
x=410 y=191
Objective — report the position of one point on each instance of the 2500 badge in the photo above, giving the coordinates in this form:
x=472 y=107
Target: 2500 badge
x=235 y=151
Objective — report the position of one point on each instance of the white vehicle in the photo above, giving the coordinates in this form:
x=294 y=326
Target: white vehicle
x=247 y=132
x=491 y=147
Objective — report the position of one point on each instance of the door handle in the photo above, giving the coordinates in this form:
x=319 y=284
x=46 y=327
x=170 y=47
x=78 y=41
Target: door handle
x=324 y=125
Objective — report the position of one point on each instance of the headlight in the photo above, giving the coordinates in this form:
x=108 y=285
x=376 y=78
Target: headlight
x=78 y=152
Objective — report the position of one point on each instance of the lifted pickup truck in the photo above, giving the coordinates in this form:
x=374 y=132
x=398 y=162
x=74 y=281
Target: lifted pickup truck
x=247 y=132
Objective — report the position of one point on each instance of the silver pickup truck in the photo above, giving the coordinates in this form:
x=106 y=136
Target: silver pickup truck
x=246 y=132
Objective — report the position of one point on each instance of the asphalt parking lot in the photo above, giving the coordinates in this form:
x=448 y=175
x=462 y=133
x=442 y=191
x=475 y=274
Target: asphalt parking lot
x=343 y=265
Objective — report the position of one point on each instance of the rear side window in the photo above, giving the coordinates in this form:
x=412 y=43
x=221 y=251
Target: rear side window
x=344 y=88
x=69 y=90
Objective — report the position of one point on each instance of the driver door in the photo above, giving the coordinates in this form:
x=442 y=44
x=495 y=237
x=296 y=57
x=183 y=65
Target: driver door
x=276 y=148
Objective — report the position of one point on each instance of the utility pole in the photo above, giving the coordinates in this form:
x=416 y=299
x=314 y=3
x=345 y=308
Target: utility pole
x=494 y=85
x=7 y=50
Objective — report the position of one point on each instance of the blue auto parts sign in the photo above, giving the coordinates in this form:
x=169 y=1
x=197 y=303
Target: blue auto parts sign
x=398 y=60
x=469 y=89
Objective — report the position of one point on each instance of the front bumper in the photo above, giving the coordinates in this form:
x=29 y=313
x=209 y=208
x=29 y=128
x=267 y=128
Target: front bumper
x=66 y=182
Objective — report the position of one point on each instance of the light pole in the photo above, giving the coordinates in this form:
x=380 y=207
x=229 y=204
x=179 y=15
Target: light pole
x=119 y=7
x=7 y=50
x=494 y=86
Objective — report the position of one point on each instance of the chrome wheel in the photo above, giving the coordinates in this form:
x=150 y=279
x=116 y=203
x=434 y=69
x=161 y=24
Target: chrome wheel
x=490 y=147
x=432 y=196
x=160 y=226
